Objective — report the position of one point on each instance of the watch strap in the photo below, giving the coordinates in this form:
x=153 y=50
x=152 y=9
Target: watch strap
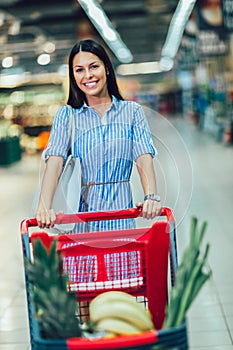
x=153 y=197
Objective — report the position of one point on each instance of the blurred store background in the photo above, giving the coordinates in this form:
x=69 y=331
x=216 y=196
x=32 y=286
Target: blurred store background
x=174 y=57
x=36 y=37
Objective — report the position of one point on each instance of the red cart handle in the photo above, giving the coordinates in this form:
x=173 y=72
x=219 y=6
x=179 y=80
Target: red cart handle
x=94 y=216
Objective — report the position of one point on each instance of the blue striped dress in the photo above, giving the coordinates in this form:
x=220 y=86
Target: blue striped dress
x=107 y=147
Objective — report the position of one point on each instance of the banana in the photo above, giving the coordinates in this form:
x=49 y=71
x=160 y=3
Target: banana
x=117 y=326
x=112 y=295
x=124 y=307
x=110 y=334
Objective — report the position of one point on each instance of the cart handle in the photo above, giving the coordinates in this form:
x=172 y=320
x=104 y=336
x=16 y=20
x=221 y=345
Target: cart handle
x=94 y=216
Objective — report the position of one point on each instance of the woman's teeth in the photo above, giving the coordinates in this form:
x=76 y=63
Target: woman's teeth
x=90 y=84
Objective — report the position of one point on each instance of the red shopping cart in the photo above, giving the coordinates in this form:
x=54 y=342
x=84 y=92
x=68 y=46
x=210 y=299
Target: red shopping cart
x=133 y=260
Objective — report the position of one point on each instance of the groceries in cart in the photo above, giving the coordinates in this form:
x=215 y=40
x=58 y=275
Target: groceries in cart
x=140 y=305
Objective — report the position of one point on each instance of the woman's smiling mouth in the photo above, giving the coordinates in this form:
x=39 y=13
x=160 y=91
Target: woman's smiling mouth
x=90 y=84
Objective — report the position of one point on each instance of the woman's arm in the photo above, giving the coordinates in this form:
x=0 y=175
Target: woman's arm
x=146 y=171
x=45 y=214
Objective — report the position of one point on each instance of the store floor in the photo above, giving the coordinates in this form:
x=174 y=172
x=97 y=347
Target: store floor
x=198 y=181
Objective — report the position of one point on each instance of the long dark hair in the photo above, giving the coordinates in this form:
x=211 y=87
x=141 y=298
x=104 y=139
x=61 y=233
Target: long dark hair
x=76 y=96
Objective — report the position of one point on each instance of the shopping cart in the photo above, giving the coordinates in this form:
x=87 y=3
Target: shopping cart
x=135 y=261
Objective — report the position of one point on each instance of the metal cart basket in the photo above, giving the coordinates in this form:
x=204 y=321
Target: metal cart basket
x=135 y=261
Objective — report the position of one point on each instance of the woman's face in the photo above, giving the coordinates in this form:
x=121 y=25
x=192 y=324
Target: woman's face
x=90 y=74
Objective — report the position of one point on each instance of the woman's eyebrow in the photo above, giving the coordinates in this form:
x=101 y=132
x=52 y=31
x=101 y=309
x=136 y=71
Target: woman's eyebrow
x=79 y=65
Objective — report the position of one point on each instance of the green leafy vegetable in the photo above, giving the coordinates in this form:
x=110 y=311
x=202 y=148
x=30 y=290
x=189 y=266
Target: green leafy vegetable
x=192 y=274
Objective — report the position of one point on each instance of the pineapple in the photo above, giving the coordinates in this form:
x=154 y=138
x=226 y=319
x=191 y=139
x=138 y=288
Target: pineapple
x=55 y=308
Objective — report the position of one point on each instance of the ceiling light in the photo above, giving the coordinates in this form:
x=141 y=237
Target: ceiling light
x=2 y=19
x=109 y=34
x=105 y=28
x=7 y=62
x=139 y=68
x=43 y=59
x=49 y=47
x=166 y=63
x=175 y=32
x=14 y=28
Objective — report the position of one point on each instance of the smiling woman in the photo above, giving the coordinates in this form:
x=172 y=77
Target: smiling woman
x=110 y=134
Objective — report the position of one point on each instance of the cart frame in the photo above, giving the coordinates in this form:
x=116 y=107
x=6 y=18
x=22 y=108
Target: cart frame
x=175 y=338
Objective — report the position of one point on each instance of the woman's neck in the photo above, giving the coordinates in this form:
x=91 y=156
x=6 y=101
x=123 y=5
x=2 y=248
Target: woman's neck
x=100 y=104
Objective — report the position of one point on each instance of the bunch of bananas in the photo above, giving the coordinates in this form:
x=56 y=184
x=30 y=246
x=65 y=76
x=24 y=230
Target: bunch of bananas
x=118 y=313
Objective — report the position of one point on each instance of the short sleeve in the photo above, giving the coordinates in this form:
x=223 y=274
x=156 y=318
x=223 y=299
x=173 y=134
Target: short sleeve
x=58 y=144
x=142 y=139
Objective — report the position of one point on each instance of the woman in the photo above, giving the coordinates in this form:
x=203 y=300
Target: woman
x=110 y=134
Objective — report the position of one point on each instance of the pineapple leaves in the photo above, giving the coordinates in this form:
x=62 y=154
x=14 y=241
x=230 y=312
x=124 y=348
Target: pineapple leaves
x=55 y=307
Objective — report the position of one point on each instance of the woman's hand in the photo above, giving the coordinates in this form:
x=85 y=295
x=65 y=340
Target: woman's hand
x=150 y=209
x=45 y=217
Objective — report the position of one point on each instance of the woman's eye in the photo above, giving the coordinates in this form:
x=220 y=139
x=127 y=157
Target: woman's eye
x=94 y=67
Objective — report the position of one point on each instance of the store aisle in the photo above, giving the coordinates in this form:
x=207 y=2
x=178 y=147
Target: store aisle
x=210 y=319
x=197 y=181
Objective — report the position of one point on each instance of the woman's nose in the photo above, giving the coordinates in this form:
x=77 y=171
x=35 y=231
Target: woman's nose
x=88 y=73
